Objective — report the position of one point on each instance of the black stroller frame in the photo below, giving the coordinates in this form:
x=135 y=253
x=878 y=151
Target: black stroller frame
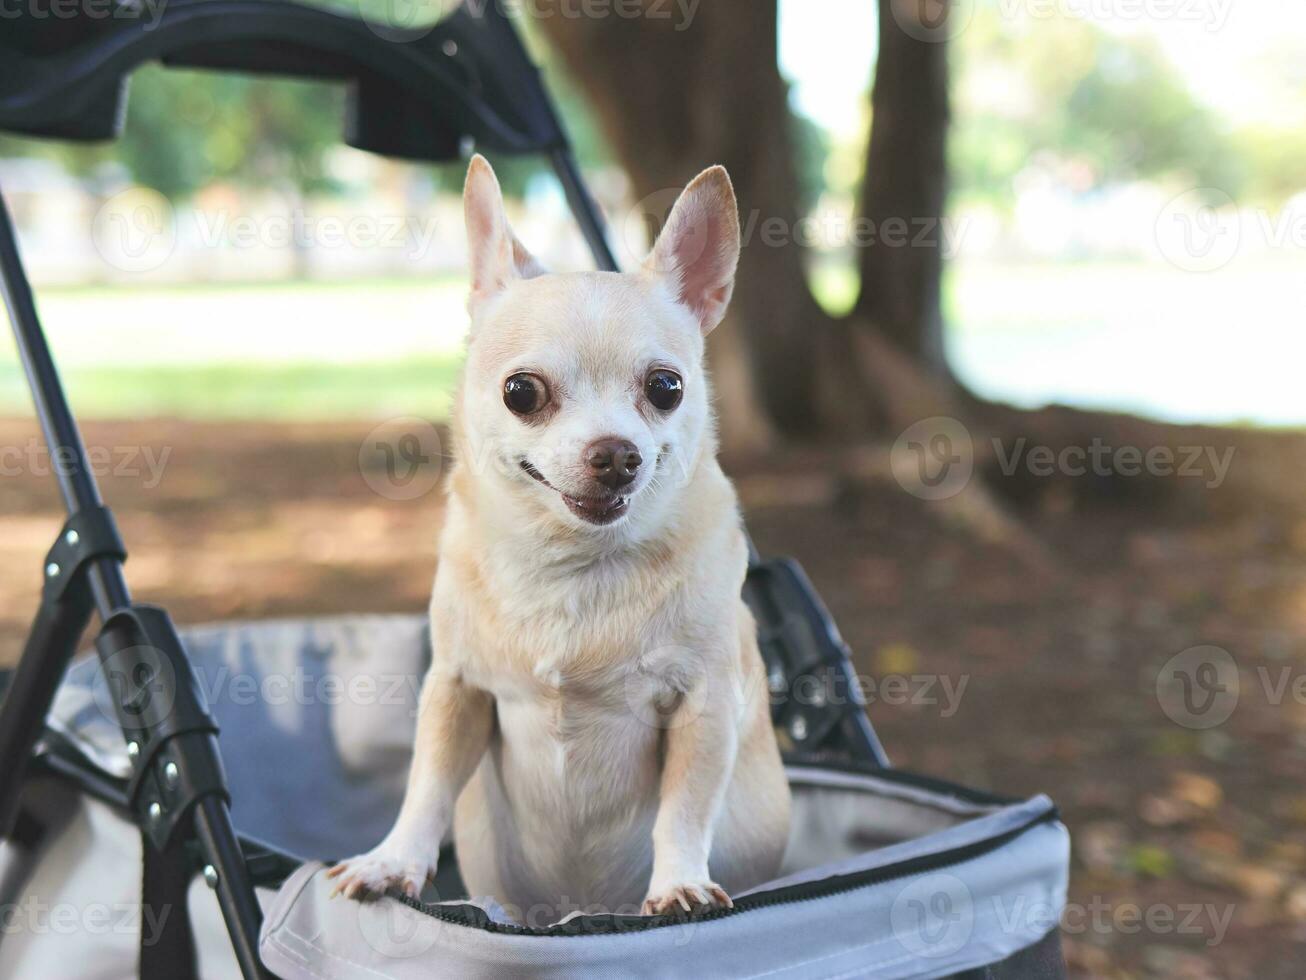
x=424 y=95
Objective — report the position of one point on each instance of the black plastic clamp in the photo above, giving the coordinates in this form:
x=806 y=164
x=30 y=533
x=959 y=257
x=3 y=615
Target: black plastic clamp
x=816 y=696
x=171 y=737
x=87 y=535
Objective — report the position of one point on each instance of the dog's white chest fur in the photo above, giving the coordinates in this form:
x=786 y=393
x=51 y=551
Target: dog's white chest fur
x=562 y=806
x=574 y=713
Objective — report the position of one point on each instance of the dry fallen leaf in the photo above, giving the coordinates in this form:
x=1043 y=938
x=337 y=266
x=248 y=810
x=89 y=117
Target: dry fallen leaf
x=1163 y=811
x=1219 y=842
x=895 y=658
x=1294 y=902
x=1197 y=790
x=1257 y=882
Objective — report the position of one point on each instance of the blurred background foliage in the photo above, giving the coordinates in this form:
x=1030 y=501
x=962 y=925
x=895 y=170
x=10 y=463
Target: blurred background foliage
x=1069 y=134
x=1111 y=106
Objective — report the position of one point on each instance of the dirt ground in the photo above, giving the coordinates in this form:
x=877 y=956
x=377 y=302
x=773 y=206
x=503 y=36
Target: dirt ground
x=1039 y=659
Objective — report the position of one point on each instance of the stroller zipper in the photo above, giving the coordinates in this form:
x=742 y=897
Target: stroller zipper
x=609 y=924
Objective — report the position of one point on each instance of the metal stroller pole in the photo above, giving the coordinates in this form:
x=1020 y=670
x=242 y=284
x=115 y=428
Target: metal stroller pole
x=583 y=208
x=178 y=791
x=76 y=482
x=59 y=625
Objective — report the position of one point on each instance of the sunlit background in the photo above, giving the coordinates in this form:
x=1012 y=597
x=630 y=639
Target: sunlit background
x=229 y=229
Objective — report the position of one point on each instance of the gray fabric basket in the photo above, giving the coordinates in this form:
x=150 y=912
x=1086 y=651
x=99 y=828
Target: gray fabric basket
x=886 y=874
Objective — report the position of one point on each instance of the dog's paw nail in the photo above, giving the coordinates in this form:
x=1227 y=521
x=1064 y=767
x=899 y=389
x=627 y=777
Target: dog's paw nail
x=372 y=875
x=687 y=898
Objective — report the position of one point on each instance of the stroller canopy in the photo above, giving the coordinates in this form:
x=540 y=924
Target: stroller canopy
x=414 y=93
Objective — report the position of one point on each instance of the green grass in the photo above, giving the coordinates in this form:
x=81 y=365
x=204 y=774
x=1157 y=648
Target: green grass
x=420 y=386
x=276 y=350
x=1137 y=337
x=116 y=292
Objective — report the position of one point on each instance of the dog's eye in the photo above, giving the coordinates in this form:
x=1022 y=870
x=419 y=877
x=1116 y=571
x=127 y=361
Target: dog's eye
x=664 y=389
x=525 y=394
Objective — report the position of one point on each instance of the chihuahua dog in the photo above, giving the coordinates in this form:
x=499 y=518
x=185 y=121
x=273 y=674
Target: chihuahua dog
x=595 y=722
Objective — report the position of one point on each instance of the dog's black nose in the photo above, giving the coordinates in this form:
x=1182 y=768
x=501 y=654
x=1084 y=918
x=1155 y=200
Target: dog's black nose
x=613 y=462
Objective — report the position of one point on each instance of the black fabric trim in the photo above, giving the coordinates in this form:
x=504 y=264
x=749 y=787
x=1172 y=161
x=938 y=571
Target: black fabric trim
x=608 y=924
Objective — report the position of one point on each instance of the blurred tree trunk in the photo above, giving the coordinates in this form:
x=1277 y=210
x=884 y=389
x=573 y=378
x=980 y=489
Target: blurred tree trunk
x=674 y=101
x=906 y=186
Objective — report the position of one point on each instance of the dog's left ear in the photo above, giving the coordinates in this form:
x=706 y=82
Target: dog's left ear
x=495 y=255
x=698 y=249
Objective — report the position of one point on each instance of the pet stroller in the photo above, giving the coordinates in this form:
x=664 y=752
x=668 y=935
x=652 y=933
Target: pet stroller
x=167 y=805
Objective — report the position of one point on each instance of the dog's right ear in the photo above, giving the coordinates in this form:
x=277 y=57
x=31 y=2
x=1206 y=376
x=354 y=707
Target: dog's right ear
x=495 y=256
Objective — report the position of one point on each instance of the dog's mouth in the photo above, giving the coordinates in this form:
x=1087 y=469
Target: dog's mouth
x=598 y=510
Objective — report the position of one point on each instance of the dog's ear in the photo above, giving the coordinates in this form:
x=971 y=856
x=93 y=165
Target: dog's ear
x=698 y=249
x=495 y=256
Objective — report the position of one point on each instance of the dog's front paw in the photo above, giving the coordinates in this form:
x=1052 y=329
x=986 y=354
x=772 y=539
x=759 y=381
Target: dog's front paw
x=694 y=896
x=379 y=870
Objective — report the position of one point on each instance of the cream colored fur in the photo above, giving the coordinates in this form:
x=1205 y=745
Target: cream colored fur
x=595 y=721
